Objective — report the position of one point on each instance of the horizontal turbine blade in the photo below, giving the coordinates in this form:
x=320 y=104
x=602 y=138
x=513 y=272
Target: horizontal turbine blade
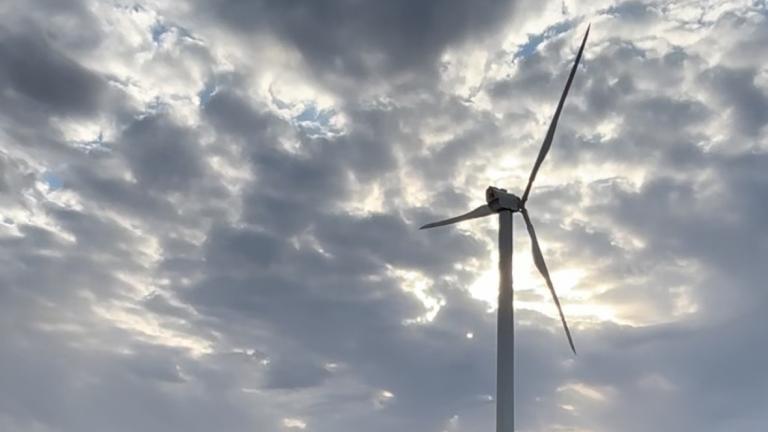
x=553 y=125
x=538 y=259
x=479 y=212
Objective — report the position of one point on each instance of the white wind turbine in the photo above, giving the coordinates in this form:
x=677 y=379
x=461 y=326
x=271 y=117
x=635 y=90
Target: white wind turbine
x=504 y=203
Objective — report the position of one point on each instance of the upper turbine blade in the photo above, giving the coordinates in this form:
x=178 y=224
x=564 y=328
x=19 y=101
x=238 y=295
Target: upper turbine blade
x=479 y=212
x=538 y=259
x=553 y=125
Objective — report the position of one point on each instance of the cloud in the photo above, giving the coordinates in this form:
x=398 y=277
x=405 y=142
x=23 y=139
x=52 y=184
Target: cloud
x=35 y=72
x=210 y=210
x=364 y=40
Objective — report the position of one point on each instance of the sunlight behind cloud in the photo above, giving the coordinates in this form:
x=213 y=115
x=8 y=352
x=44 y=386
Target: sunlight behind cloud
x=294 y=423
x=419 y=286
x=527 y=280
x=367 y=199
x=583 y=390
x=382 y=399
x=150 y=329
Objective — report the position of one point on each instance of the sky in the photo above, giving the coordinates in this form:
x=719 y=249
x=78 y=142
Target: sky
x=209 y=212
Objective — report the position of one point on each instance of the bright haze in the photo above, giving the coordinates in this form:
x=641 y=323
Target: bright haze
x=209 y=213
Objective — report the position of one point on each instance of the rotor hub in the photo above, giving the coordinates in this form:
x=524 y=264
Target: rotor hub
x=499 y=199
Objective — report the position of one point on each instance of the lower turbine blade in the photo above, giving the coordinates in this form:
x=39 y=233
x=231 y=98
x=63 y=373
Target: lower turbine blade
x=479 y=212
x=538 y=259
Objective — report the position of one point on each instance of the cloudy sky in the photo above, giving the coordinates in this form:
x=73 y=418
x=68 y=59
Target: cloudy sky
x=208 y=214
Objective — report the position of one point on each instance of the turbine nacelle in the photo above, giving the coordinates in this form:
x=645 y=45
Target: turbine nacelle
x=499 y=199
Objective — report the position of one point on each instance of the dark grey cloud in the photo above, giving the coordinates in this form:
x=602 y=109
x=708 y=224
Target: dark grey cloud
x=36 y=74
x=351 y=40
x=747 y=103
x=161 y=155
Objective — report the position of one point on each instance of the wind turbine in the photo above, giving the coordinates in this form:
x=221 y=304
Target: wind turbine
x=505 y=204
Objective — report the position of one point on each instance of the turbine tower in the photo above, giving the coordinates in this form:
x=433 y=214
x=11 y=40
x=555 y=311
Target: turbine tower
x=505 y=204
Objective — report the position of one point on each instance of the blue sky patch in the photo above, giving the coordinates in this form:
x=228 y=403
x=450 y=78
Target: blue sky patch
x=52 y=180
x=534 y=40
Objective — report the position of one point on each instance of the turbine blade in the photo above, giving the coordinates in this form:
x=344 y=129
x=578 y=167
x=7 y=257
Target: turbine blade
x=479 y=212
x=553 y=125
x=538 y=259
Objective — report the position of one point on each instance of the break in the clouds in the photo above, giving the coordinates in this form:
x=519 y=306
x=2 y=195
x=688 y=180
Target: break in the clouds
x=208 y=214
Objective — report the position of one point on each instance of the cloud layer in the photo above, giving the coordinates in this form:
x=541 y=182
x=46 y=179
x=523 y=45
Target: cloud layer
x=209 y=214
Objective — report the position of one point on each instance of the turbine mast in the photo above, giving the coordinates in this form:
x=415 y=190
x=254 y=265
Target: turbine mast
x=505 y=355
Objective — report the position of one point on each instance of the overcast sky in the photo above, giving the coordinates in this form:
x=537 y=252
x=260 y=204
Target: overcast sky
x=209 y=212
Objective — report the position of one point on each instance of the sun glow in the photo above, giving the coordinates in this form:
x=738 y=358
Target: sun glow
x=525 y=277
x=485 y=287
x=531 y=292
